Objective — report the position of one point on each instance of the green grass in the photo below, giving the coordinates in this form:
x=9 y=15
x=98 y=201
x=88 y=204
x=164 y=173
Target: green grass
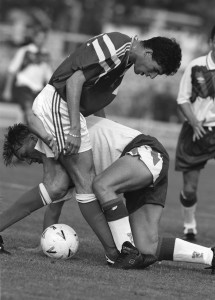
x=86 y=276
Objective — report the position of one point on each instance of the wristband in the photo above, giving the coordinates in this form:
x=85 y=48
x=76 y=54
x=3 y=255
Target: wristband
x=74 y=135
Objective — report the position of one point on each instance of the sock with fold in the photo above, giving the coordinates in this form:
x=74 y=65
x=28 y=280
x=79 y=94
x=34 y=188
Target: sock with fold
x=94 y=216
x=174 y=249
x=117 y=217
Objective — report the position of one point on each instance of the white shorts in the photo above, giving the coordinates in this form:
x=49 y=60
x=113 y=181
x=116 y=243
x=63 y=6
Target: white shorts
x=146 y=154
x=53 y=112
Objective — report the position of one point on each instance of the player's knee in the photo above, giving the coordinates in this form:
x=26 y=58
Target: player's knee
x=188 y=198
x=100 y=186
x=56 y=191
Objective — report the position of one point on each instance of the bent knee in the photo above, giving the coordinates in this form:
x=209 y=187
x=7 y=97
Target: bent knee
x=56 y=191
x=99 y=186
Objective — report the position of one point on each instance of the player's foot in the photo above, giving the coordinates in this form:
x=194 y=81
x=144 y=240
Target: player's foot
x=190 y=234
x=109 y=261
x=212 y=267
x=111 y=258
x=2 y=250
x=129 y=258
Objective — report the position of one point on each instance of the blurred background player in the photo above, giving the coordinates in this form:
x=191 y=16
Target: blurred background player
x=196 y=140
x=108 y=140
x=28 y=72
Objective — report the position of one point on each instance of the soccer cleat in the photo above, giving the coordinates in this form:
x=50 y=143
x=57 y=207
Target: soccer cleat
x=212 y=267
x=2 y=250
x=190 y=234
x=129 y=258
x=111 y=260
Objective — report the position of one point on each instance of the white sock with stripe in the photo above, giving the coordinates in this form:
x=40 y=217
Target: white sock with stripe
x=189 y=252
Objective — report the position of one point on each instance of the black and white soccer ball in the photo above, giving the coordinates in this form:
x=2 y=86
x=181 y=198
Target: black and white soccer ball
x=59 y=241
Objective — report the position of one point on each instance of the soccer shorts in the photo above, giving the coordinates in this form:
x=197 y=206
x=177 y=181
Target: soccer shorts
x=155 y=157
x=53 y=112
x=194 y=155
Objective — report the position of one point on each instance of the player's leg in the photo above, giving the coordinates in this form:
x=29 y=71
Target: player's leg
x=52 y=214
x=55 y=186
x=190 y=158
x=144 y=225
x=175 y=249
x=188 y=199
x=126 y=174
x=53 y=112
x=81 y=169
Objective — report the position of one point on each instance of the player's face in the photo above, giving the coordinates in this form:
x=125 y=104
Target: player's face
x=27 y=153
x=145 y=65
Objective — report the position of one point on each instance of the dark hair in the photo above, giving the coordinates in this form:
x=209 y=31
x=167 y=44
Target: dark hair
x=166 y=52
x=14 y=138
x=212 y=33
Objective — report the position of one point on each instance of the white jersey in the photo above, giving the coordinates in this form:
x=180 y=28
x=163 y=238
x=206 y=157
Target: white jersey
x=31 y=67
x=102 y=141
x=197 y=87
x=108 y=140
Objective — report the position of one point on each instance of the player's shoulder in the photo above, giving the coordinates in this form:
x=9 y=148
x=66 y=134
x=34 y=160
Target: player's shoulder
x=118 y=37
x=115 y=37
x=201 y=60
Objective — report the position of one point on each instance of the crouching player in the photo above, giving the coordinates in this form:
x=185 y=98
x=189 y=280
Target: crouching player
x=127 y=162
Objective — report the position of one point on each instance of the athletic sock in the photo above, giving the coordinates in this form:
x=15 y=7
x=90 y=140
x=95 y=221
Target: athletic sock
x=23 y=207
x=117 y=217
x=94 y=216
x=183 y=251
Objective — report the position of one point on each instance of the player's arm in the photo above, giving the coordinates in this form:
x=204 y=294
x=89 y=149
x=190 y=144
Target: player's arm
x=184 y=104
x=36 y=126
x=13 y=69
x=73 y=91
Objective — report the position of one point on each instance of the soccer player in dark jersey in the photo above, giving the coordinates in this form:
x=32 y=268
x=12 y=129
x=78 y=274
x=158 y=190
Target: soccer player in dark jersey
x=196 y=100
x=84 y=84
x=126 y=161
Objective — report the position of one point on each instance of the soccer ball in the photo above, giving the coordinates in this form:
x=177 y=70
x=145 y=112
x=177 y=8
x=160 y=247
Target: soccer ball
x=59 y=241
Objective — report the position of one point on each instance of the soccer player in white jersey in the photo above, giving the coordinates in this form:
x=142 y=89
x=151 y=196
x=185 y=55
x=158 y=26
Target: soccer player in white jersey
x=133 y=163
x=196 y=99
x=84 y=84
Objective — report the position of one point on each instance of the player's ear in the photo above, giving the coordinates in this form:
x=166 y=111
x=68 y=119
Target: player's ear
x=33 y=137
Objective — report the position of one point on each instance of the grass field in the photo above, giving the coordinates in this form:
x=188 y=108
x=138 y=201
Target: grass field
x=26 y=276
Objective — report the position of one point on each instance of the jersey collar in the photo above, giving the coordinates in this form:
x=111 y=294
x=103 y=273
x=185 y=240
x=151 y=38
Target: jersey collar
x=209 y=61
x=134 y=38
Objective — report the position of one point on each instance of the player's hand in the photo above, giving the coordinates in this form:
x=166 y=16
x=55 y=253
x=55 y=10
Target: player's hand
x=72 y=144
x=49 y=140
x=198 y=130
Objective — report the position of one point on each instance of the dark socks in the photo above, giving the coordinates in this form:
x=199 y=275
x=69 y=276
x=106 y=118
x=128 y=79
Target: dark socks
x=23 y=207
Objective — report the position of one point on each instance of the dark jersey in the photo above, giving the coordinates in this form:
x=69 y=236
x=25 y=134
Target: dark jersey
x=104 y=61
x=203 y=83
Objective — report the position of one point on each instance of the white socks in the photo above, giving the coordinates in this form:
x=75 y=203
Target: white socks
x=121 y=231
x=189 y=252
